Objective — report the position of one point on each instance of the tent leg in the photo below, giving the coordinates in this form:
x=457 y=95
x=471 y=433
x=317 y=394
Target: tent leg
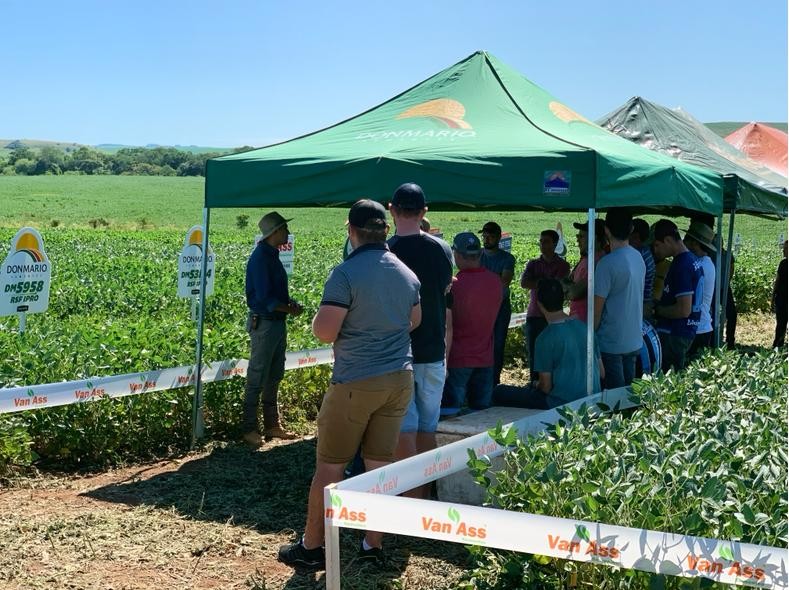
x=727 y=282
x=590 y=388
x=717 y=299
x=198 y=425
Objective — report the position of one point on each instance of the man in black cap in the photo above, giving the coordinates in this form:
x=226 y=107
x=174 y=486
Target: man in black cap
x=430 y=259
x=269 y=304
x=503 y=264
x=370 y=304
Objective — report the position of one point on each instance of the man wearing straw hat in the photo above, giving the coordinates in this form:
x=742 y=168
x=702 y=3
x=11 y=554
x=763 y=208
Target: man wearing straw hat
x=269 y=304
x=699 y=239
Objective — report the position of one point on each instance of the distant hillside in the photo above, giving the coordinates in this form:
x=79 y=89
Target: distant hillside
x=6 y=145
x=111 y=148
x=10 y=144
x=725 y=128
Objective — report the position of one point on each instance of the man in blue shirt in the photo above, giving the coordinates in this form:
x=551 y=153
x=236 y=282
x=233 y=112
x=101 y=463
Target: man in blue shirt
x=560 y=358
x=503 y=264
x=619 y=301
x=269 y=305
x=679 y=309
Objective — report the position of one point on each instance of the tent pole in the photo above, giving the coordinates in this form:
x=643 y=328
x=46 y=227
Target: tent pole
x=590 y=266
x=725 y=285
x=717 y=299
x=198 y=425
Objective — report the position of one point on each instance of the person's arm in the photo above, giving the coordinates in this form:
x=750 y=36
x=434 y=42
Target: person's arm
x=545 y=383
x=327 y=322
x=506 y=277
x=601 y=368
x=577 y=290
x=528 y=280
x=448 y=337
x=680 y=309
x=291 y=308
x=416 y=317
x=599 y=302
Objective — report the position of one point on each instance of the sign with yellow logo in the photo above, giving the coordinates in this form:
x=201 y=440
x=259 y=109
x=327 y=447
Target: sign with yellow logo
x=190 y=262
x=25 y=275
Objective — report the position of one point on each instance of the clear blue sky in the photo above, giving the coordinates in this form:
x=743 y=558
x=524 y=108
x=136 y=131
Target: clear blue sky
x=254 y=72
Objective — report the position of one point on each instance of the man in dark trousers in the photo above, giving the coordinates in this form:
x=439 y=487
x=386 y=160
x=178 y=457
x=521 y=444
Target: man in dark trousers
x=679 y=310
x=269 y=304
x=503 y=264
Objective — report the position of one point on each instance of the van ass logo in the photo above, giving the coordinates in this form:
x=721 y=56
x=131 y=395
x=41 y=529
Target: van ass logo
x=455 y=527
x=90 y=392
x=732 y=568
x=588 y=548
x=32 y=399
x=384 y=485
x=340 y=512
x=143 y=385
x=438 y=465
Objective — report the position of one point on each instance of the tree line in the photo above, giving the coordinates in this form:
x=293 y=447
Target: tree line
x=158 y=161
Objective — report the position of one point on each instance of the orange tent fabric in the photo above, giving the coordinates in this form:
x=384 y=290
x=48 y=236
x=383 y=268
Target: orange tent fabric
x=767 y=145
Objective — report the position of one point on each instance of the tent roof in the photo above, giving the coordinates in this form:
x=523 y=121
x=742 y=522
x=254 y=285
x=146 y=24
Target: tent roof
x=762 y=143
x=478 y=135
x=749 y=186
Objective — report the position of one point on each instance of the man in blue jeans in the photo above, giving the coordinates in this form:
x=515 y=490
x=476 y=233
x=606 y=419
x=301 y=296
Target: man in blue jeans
x=619 y=301
x=430 y=259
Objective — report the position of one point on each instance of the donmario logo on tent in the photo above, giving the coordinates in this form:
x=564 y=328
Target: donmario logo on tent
x=349 y=517
x=447 y=114
x=455 y=526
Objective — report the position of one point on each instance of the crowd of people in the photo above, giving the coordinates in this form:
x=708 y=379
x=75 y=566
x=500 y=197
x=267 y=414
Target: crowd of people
x=413 y=343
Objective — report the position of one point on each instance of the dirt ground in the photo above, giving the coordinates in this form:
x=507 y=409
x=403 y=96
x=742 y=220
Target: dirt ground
x=212 y=519
x=208 y=520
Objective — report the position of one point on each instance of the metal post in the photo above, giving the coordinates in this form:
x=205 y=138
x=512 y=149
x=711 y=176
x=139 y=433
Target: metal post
x=590 y=266
x=332 y=544
x=727 y=262
x=22 y=322
x=717 y=299
x=198 y=425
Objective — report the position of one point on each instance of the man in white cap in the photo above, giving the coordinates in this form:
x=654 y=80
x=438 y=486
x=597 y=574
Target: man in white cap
x=699 y=239
x=269 y=304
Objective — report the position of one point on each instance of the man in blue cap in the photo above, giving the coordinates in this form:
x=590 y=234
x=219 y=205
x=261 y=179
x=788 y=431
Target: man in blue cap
x=475 y=301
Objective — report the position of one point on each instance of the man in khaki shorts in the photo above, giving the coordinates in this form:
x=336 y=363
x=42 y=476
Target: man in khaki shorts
x=370 y=304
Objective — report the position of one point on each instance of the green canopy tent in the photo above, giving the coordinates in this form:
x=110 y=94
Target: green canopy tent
x=749 y=187
x=476 y=135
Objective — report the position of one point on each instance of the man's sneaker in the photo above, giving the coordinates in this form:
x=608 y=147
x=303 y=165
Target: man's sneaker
x=298 y=555
x=253 y=438
x=374 y=555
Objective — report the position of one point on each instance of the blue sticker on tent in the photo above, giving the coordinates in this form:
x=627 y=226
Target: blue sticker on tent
x=556 y=182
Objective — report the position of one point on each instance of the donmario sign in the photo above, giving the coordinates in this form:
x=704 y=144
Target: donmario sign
x=25 y=275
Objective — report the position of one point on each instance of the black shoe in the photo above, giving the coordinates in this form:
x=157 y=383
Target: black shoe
x=298 y=555
x=373 y=555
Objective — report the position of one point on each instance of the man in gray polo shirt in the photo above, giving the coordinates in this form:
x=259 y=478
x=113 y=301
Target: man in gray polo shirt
x=370 y=304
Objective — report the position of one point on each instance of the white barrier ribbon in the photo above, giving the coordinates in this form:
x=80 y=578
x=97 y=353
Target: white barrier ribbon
x=650 y=551
x=17 y=399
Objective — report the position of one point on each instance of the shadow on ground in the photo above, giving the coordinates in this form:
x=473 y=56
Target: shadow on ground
x=266 y=491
